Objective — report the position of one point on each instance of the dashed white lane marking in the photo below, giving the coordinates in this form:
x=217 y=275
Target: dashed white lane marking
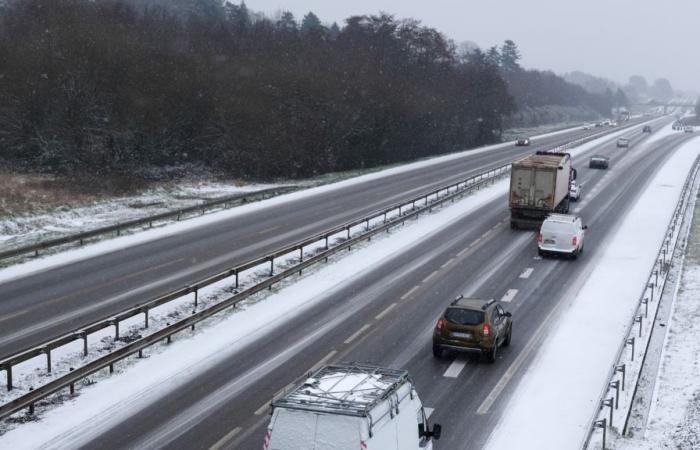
x=407 y=294
x=357 y=333
x=428 y=412
x=447 y=263
x=260 y=411
x=429 y=277
x=537 y=258
x=323 y=361
x=527 y=272
x=455 y=368
x=226 y=439
x=464 y=251
x=385 y=312
x=509 y=295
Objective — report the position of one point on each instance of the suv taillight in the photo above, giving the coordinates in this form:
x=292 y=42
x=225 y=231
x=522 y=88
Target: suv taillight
x=486 y=330
x=540 y=238
x=440 y=324
x=574 y=241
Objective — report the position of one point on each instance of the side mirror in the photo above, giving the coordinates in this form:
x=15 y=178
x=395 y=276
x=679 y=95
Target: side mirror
x=435 y=434
x=574 y=174
x=508 y=314
x=585 y=227
x=437 y=431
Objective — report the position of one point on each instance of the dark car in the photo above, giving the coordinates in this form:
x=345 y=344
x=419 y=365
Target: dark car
x=646 y=129
x=523 y=142
x=473 y=325
x=598 y=162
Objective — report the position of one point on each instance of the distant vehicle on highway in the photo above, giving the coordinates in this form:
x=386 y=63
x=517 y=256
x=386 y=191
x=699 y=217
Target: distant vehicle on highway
x=539 y=186
x=587 y=126
x=598 y=162
x=473 y=325
x=623 y=143
x=599 y=124
x=646 y=129
x=689 y=130
x=574 y=191
x=351 y=407
x=561 y=234
x=522 y=141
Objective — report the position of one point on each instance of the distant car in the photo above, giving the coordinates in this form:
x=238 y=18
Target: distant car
x=623 y=143
x=574 y=191
x=599 y=124
x=473 y=325
x=587 y=126
x=522 y=142
x=599 y=162
x=613 y=124
x=561 y=234
x=646 y=129
x=689 y=130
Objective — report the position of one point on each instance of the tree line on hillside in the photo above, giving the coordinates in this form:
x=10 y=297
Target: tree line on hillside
x=139 y=87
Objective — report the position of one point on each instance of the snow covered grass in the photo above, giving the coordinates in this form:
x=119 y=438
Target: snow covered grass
x=674 y=419
x=564 y=380
x=168 y=368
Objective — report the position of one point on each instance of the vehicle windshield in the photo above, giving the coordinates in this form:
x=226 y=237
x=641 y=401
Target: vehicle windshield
x=464 y=316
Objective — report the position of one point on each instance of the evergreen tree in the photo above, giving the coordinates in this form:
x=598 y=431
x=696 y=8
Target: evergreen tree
x=311 y=24
x=493 y=56
x=287 y=22
x=510 y=55
x=334 y=31
x=238 y=15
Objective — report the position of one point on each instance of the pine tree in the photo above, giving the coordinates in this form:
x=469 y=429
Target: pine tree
x=510 y=55
x=311 y=24
x=287 y=22
x=334 y=31
x=493 y=56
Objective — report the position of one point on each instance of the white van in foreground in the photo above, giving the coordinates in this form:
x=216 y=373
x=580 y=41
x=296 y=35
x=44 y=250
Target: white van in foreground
x=351 y=407
x=561 y=234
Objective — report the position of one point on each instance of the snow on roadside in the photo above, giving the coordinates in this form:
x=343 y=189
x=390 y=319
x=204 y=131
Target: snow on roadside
x=115 y=398
x=564 y=380
x=674 y=418
x=77 y=254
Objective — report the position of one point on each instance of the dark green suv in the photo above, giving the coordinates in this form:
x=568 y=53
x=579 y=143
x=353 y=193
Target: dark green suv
x=473 y=325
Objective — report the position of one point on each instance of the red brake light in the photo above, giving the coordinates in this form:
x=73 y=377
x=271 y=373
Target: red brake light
x=440 y=324
x=540 y=238
x=574 y=241
x=486 y=329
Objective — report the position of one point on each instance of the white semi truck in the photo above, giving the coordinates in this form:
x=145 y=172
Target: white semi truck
x=539 y=186
x=351 y=407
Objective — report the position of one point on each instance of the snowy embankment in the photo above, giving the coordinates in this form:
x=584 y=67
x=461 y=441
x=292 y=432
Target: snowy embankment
x=76 y=254
x=674 y=418
x=558 y=394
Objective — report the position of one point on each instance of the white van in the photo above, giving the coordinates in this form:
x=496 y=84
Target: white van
x=561 y=234
x=351 y=407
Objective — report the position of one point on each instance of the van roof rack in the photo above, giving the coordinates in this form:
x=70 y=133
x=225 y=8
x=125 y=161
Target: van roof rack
x=487 y=304
x=347 y=389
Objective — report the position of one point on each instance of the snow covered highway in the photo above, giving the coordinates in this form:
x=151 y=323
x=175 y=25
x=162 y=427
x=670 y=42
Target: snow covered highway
x=378 y=304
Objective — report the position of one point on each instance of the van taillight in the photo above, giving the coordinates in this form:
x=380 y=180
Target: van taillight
x=540 y=238
x=440 y=324
x=574 y=241
x=486 y=329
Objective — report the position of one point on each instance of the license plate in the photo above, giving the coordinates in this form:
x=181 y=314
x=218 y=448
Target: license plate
x=462 y=335
x=549 y=241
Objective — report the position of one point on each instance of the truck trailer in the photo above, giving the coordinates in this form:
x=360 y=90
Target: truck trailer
x=539 y=186
x=351 y=407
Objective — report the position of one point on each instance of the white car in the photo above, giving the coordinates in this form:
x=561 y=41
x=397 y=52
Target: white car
x=574 y=191
x=561 y=234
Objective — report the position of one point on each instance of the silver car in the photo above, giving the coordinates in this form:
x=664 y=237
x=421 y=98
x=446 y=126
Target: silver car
x=561 y=234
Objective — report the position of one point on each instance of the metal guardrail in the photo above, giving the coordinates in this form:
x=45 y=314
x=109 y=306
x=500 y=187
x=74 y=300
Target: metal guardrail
x=656 y=280
x=67 y=381
x=459 y=188
x=150 y=220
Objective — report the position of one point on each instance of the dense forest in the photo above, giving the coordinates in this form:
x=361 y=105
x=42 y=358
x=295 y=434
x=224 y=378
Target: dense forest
x=133 y=88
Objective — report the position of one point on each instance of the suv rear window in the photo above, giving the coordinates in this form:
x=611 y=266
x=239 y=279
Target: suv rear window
x=464 y=316
x=553 y=227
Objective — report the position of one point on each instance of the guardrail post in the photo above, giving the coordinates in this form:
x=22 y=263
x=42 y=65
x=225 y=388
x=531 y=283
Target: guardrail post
x=603 y=425
x=610 y=403
x=72 y=385
x=272 y=266
x=656 y=277
x=638 y=319
x=630 y=341
x=236 y=273
x=616 y=385
x=348 y=232
x=621 y=368
x=651 y=286
x=301 y=254
x=645 y=302
x=31 y=405
x=48 y=359
x=8 y=372
x=36 y=253
x=145 y=318
x=196 y=298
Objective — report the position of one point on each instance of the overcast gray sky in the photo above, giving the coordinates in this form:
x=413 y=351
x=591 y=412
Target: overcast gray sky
x=610 y=38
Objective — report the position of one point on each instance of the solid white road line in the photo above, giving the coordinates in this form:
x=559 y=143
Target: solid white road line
x=413 y=289
x=383 y=313
x=428 y=412
x=226 y=439
x=447 y=263
x=455 y=368
x=509 y=295
x=263 y=409
x=356 y=334
x=527 y=272
x=323 y=361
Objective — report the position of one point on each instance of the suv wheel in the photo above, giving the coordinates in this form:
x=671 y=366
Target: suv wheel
x=493 y=353
x=506 y=342
x=437 y=351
